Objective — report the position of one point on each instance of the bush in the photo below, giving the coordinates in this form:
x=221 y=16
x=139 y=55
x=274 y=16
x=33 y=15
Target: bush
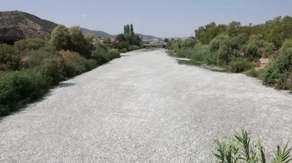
x=189 y=43
x=124 y=50
x=9 y=60
x=30 y=44
x=256 y=47
x=215 y=43
x=239 y=65
x=286 y=45
x=51 y=62
x=75 y=64
x=133 y=47
x=34 y=58
x=52 y=69
x=204 y=54
x=253 y=73
x=251 y=52
x=122 y=45
x=240 y=148
x=20 y=87
x=104 y=56
x=114 y=54
x=278 y=72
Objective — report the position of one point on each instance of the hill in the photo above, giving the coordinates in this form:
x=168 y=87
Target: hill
x=17 y=23
x=22 y=24
x=148 y=37
x=97 y=33
x=104 y=34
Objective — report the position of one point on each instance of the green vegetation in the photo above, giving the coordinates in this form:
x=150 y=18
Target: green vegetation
x=241 y=149
x=128 y=41
x=30 y=67
x=279 y=71
x=9 y=60
x=20 y=87
x=239 y=49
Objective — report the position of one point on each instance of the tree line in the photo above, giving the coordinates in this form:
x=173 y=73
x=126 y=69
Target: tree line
x=30 y=67
x=239 y=49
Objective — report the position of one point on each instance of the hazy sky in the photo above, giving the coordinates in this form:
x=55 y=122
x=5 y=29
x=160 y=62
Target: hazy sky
x=163 y=18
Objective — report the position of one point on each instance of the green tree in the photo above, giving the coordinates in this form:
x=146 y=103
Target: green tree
x=233 y=28
x=256 y=47
x=78 y=42
x=107 y=40
x=126 y=29
x=89 y=37
x=132 y=29
x=205 y=34
x=281 y=30
x=60 y=38
x=215 y=43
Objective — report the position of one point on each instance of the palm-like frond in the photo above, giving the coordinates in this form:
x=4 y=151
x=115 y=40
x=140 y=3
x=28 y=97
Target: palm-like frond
x=240 y=149
x=282 y=156
x=261 y=155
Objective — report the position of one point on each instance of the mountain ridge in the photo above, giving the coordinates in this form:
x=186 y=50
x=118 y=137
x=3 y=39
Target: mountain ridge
x=100 y=33
x=17 y=22
x=25 y=25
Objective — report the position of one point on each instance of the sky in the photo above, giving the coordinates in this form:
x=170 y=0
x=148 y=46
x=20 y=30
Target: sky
x=161 y=18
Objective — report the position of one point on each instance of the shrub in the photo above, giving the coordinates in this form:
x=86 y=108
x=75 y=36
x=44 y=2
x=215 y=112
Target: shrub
x=30 y=44
x=35 y=58
x=74 y=64
x=52 y=69
x=253 y=73
x=252 y=53
x=122 y=45
x=229 y=49
x=133 y=47
x=20 y=87
x=189 y=43
x=8 y=58
x=124 y=50
x=114 y=54
x=271 y=74
x=50 y=62
x=224 y=54
x=256 y=47
x=239 y=65
x=286 y=45
x=104 y=55
x=278 y=72
x=205 y=55
x=267 y=49
x=215 y=43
